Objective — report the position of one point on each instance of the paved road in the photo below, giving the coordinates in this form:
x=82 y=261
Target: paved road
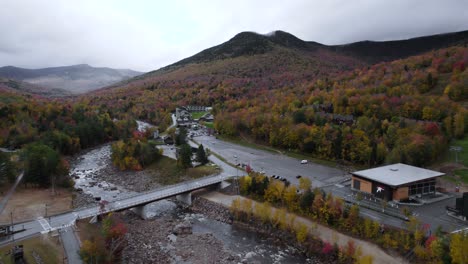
x=71 y=245
x=273 y=163
x=8 y=150
x=10 y=192
x=325 y=177
x=57 y=222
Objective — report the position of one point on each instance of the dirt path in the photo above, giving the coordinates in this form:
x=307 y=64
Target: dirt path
x=30 y=203
x=325 y=233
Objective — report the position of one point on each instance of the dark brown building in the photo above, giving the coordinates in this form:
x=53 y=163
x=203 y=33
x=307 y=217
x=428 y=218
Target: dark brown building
x=395 y=182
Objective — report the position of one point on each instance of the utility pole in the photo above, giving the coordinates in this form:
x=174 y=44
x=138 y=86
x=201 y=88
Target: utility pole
x=236 y=179
x=12 y=226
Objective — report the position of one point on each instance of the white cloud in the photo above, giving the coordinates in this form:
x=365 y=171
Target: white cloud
x=145 y=34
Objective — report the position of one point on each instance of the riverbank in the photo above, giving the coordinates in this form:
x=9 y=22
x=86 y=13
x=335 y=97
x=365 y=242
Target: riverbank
x=322 y=232
x=31 y=203
x=161 y=240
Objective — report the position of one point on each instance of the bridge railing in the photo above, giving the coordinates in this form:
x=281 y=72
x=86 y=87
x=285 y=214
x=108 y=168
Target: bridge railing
x=154 y=195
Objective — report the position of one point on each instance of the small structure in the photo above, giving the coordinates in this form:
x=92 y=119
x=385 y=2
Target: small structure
x=207 y=118
x=168 y=140
x=461 y=206
x=17 y=254
x=156 y=134
x=396 y=182
x=5 y=230
x=196 y=108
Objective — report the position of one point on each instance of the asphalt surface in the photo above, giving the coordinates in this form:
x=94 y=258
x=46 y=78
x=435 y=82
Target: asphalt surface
x=70 y=245
x=273 y=163
x=330 y=180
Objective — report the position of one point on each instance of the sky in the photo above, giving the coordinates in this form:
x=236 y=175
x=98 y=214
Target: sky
x=145 y=35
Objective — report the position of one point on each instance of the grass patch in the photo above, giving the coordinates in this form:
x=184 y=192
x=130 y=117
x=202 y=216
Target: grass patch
x=209 y=124
x=462 y=155
x=450 y=178
x=47 y=247
x=166 y=172
x=197 y=115
x=156 y=142
x=463 y=174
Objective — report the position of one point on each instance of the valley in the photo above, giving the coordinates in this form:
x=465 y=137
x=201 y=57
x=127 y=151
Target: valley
x=264 y=148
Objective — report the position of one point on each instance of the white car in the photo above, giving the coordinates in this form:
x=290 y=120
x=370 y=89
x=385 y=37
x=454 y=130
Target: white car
x=303 y=161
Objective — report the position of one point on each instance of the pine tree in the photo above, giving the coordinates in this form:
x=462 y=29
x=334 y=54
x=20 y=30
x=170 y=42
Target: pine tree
x=201 y=155
x=185 y=156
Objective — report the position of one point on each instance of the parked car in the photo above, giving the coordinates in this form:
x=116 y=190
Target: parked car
x=298 y=176
x=303 y=161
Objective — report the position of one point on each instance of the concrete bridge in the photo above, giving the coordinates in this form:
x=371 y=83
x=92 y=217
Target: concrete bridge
x=181 y=190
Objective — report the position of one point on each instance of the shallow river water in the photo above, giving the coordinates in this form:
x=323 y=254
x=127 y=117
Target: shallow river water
x=246 y=244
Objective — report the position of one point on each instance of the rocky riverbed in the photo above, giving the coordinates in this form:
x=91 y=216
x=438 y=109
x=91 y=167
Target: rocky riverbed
x=212 y=238
x=160 y=241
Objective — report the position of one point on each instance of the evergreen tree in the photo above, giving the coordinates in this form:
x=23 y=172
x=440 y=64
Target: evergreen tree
x=201 y=155
x=306 y=200
x=181 y=138
x=41 y=163
x=185 y=156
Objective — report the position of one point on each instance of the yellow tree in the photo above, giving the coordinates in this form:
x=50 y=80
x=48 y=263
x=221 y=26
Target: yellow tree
x=459 y=248
x=244 y=184
x=301 y=232
x=246 y=207
x=291 y=198
x=279 y=218
x=236 y=207
x=305 y=184
x=263 y=211
x=274 y=192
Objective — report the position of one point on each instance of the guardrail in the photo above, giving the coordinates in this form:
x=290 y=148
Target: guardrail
x=154 y=195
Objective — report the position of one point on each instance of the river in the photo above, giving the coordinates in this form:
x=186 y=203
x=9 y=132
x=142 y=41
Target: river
x=86 y=170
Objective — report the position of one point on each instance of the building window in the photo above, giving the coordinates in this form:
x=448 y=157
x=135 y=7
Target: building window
x=356 y=184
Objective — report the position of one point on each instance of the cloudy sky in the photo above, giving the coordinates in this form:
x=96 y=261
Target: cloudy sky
x=147 y=34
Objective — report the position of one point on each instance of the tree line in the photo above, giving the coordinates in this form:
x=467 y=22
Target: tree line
x=334 y=212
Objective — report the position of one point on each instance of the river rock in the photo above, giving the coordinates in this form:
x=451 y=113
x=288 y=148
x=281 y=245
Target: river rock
x=184 y=228
x=211 y=210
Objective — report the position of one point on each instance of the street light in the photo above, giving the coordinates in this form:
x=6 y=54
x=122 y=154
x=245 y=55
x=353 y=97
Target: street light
x=456 y=149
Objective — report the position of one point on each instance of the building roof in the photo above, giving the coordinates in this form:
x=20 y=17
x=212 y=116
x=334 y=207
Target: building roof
x=397 y=174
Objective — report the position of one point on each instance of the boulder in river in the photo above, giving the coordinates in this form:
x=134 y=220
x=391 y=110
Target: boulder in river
x=184 y=228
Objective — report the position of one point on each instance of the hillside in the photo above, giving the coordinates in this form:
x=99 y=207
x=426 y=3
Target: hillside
x=19 y=87
x=250 y=60
x=272 y=58
x=306 y=97
x=378 y=51
x=75 y=79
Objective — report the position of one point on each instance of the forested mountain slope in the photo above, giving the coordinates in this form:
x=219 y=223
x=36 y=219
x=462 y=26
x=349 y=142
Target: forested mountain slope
x=74 y=79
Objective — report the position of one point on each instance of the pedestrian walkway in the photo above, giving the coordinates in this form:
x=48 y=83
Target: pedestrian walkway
x=71 y=245
x=45 y=224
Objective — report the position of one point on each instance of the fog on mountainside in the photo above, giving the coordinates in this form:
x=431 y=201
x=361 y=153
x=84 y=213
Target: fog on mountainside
x=75 y=79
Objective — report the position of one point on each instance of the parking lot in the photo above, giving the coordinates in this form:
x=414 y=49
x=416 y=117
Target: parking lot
x=273 y=163
x=330 y=179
